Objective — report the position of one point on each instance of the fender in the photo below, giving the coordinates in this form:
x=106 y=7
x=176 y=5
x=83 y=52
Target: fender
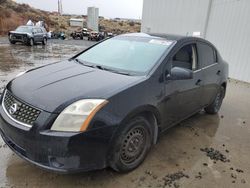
x=143 y=109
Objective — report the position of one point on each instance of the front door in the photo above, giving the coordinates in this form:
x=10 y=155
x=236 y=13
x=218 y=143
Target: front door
x=182 y=97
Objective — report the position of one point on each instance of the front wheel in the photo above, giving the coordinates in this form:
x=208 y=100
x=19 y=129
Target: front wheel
x=44 y=41
x=132 y=145
x=31 y=42
x=12 y=42
x=216 y=104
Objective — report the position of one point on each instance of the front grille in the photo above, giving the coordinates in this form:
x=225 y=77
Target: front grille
x=19 y=37
x=20 y=112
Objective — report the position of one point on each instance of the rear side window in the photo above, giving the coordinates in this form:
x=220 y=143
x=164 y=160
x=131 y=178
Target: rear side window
x=206 y=54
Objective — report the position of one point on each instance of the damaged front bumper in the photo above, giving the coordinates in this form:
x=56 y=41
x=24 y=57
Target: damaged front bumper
x=19 y=38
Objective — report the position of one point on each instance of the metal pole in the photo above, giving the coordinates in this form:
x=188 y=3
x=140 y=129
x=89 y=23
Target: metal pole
x=207 y=18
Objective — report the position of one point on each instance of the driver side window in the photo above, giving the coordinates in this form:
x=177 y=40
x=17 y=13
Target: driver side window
x=186 y=58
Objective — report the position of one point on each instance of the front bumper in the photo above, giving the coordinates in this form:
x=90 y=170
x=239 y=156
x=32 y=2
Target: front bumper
x=57 y=151
x=19 y=38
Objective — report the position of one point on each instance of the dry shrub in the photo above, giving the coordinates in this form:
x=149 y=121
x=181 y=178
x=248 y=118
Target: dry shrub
x=63 y=26
x=21 y=8
x=131 y=24
x=3 y=1
x=4 y=13
x=8 y=25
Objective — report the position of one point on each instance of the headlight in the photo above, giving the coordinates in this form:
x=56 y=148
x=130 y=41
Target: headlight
x=20 y=74
x=77 y=116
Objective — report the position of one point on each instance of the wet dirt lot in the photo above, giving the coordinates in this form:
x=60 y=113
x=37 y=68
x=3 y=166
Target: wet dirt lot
x=204 y=151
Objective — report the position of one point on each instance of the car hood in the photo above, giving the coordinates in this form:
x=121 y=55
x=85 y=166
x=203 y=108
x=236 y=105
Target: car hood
x=23 y=33
x=54 y=86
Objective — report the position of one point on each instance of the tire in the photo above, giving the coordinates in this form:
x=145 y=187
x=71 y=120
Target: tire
x=31 y=42
x=131 y=146
x=44 y=41
x=216 y=104
x=12 y=42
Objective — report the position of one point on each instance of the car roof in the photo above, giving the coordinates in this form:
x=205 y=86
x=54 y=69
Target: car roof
x=31 y=26
x=161 y=35
x=172 y=37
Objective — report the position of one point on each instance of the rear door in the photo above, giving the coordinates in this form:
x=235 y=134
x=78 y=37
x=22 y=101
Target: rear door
x=182 y=97
x=40 y=36
x=36 y=35
x=207 y=56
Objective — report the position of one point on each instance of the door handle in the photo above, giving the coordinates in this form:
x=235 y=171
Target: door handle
x=218 y=72
x=198 y=83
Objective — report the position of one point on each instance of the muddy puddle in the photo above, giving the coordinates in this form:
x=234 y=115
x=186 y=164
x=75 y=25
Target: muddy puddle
x=18 y=58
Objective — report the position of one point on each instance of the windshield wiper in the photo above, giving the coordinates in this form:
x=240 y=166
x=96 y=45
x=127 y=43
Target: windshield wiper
x=112 y=70
x=84 y=63
x=101 y=67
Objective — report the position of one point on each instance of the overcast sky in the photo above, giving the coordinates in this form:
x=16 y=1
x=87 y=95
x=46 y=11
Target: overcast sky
x=108 y=8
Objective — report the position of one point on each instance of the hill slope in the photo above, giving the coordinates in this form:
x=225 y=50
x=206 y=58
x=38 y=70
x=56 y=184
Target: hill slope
x=13 y=14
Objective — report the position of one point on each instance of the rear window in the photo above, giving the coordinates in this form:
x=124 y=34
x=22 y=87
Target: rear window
x=206 y=54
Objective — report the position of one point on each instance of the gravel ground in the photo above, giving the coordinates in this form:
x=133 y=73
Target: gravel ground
x=203 y=151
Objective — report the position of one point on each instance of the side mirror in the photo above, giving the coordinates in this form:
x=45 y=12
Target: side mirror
x=178 y=73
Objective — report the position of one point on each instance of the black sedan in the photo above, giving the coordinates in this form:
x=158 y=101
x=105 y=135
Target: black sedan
x=28 y=35
x=108 y=105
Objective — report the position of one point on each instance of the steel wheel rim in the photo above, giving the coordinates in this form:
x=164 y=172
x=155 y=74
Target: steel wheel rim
x=133 y=145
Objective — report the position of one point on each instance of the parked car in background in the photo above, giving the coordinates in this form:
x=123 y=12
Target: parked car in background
x=80 y=34
x=110 y=35
x=107 y=106
x=49 y=34
x=28 y=35
x=96 y=36
x=85 y=32
x=62 y=36
x=77 y=35
x=58 y=35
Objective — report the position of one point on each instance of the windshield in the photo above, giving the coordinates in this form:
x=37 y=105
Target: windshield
x=130 y=54
x=24 y=29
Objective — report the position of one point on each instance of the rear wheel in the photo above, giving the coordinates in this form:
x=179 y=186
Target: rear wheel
x=216 y=104
x=132 y=145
